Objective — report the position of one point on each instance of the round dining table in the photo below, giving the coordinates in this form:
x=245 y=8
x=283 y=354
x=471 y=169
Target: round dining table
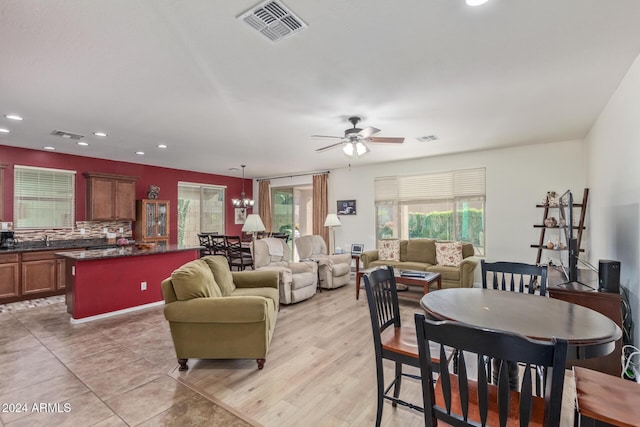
x=588 y=333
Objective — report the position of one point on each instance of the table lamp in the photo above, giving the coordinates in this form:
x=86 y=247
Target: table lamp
x=332 y=222
x=252 y=225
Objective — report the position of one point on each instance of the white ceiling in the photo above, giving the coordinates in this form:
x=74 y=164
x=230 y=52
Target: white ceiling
x=190 y=75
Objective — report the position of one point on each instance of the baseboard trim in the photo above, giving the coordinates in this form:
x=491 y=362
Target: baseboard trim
x=114 y=313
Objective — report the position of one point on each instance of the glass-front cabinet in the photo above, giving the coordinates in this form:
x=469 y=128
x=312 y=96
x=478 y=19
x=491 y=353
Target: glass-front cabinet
x=152 y=221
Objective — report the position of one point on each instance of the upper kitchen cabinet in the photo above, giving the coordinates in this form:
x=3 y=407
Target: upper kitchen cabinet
x=110 y=197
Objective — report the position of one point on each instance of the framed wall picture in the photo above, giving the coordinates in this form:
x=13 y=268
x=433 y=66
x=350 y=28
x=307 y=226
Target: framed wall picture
x=240 y=215
x=346 y=207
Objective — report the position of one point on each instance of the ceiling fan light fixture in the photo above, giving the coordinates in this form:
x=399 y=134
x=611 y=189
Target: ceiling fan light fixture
x=348 y=149
x=361 y=149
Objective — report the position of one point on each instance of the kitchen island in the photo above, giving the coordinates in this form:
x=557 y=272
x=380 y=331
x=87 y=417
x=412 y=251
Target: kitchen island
x=105 y=282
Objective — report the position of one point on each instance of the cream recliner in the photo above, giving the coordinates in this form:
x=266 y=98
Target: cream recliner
x=334 y=270
x=298 y=280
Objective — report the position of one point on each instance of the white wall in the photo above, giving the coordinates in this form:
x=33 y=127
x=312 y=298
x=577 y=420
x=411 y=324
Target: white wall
x=613 y=161
x=517 y=179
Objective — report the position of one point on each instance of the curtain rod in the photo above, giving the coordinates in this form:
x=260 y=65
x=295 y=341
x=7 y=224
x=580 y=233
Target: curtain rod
x=291 y=176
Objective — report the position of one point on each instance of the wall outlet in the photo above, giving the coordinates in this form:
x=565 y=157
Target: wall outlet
x=105 y=231
x=143 y=286
x=121 y=229
x=82 y=231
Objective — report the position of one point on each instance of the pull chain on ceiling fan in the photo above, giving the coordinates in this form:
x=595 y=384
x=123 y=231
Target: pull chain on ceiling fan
x=354 y=139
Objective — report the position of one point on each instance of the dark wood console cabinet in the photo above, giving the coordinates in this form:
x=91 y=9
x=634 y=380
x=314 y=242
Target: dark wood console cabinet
x=585 y=293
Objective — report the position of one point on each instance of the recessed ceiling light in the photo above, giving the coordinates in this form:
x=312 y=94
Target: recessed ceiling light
x=48 y=147
x=140 y=153
x=3 y=130
x=476 y=2
x=162 y=146
x=84 y=144
x=13 y=117
x=100 y=134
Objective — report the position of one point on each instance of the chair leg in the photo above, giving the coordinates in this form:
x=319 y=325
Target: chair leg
x=380 y=376
x=398 y=383
x=260 y=363
x=183 y=364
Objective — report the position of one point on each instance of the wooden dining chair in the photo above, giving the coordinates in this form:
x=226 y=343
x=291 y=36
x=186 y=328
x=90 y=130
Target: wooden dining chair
x=236 y=255
x=516 y=277
x=205 y=244
x=460 y=400
x=391 y=340
x=218 y=245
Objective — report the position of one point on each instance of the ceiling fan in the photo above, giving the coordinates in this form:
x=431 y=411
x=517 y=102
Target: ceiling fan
x=354 y=139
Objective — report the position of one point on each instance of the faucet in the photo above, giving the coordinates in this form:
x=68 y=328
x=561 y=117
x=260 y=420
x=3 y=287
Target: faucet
x=46 y=240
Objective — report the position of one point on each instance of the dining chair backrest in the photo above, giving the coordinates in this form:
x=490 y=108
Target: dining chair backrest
x=461 y=401
x=203 y=239
x=218 y=245
x=283 y=236
x=514 y=277
x=382 y=297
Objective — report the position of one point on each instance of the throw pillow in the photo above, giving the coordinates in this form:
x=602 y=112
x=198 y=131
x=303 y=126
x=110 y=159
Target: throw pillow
x=449 y=253
x=194 y=280
x=221 y=273
x=389 y=250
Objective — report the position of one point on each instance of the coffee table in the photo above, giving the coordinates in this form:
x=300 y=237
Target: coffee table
x=424 y=282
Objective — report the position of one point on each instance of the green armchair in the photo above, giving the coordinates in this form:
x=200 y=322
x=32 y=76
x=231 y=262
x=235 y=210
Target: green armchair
x=215 y=313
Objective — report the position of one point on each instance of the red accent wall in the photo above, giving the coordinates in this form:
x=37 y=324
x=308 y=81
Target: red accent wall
x=111 y=284
x=165 y=178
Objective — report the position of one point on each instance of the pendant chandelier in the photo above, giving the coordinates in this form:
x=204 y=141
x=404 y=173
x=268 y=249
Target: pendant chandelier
x=243 y=202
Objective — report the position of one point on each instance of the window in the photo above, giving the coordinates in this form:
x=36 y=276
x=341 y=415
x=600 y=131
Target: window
x=200 y=210
x=441 y=206
x=43 y=198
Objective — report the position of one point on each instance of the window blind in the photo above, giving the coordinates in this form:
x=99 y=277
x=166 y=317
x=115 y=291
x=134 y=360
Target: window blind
x=43 y=198
x=431 y=187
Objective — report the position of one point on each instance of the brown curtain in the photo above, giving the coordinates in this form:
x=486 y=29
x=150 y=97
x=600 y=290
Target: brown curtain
x=264 y=199
x=320 y=206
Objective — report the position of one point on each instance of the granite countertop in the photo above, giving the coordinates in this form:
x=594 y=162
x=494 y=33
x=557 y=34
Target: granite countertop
x=56 y=245
x=119 y=252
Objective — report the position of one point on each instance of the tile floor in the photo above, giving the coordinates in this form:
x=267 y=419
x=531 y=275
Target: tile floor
x=109 y=372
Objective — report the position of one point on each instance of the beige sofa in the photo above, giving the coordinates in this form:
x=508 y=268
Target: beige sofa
x=334 y=270
x=214 y=313
x=420 y=254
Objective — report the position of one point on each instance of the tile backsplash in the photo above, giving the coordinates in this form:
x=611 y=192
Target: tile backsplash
x=92 y=230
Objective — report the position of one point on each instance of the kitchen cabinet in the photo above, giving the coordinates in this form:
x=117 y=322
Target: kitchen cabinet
x=9 y=275
x=32 y=274
x=152 y=221
x=38 y=272
x=110 y=197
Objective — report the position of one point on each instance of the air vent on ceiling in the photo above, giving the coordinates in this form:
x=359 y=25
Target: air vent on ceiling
x=273 y=20
x=67 y=135
x=427 y=138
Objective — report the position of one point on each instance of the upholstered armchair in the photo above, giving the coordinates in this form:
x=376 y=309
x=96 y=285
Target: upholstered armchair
x=334 y=270
x=297 y=280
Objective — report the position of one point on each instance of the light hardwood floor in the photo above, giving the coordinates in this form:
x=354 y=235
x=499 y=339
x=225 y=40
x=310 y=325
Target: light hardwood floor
x=320 y=370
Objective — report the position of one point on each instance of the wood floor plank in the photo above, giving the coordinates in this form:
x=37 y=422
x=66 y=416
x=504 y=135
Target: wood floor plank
x=320 y=370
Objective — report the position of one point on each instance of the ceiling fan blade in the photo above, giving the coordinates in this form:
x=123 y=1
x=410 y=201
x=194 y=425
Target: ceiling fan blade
x=386 y=139
x=367 y=132
x=319 y=150
x=325 y=137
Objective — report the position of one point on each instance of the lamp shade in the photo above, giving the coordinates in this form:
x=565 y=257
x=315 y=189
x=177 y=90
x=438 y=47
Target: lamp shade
x=332 y=221
x=253 y=224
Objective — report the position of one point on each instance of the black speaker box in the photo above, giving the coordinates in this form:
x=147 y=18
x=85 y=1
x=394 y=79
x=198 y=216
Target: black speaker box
x=609 y=274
